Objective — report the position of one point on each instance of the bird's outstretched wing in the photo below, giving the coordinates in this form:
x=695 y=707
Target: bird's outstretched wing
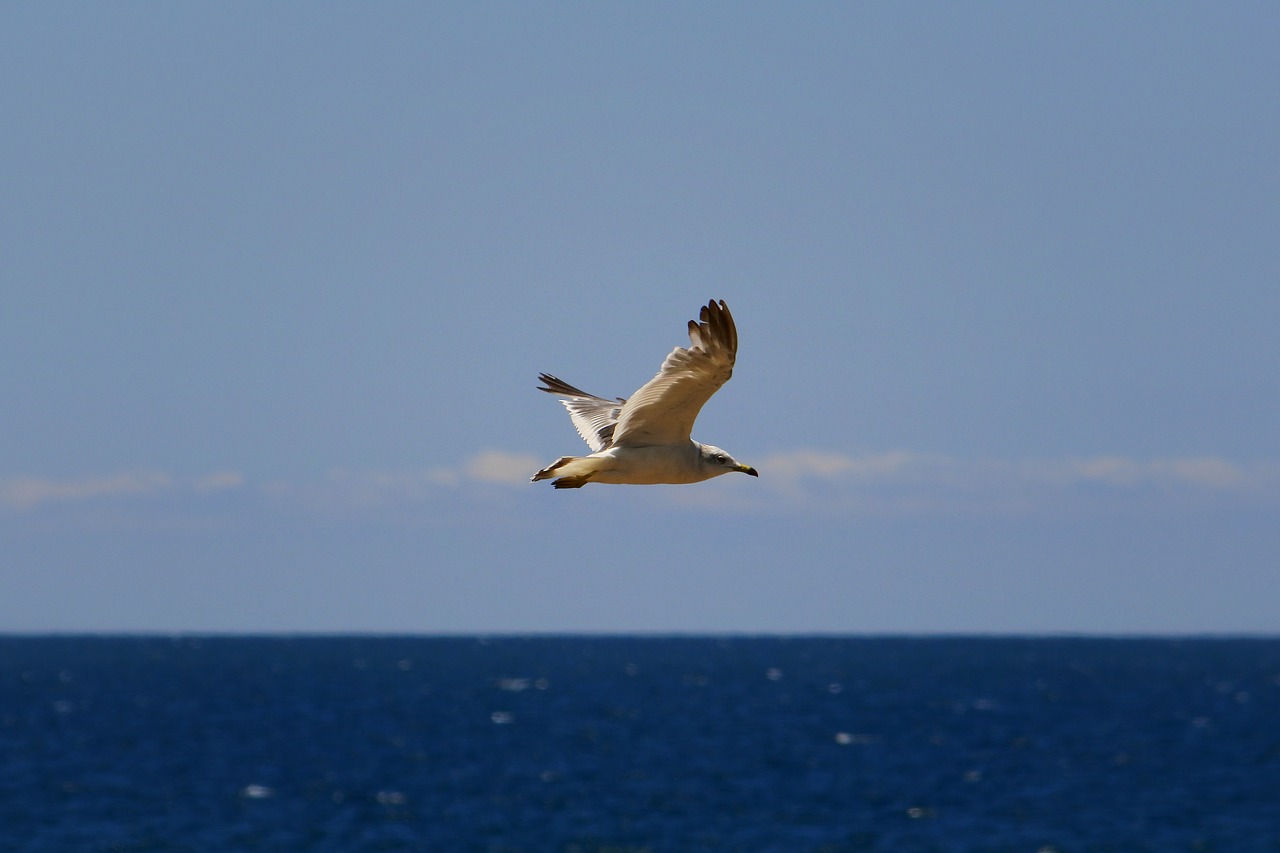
x=665 y=407
x=593 y=417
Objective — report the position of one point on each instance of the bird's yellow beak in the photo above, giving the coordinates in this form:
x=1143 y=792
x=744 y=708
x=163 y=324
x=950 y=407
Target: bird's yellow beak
x=747 y=469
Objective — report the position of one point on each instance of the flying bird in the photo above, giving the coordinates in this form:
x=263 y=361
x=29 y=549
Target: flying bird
x=646 y=439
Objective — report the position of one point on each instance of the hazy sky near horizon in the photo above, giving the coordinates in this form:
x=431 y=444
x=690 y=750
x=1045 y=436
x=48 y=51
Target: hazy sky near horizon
x=279 y=280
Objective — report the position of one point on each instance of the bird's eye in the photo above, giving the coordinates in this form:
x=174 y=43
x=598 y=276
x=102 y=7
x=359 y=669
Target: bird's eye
x=719 y=458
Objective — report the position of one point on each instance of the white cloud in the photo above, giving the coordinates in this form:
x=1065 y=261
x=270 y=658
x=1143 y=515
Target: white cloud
x=797 y=464
x=1123 y=472
x=27 y=492
x=897 y=482
x=903 y=482
x=219 y=481
x=1111 y=470
x=355 y=489
x=1206 y=471
x=499 y=466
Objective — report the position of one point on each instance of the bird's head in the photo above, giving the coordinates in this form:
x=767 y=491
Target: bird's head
x=719 y=462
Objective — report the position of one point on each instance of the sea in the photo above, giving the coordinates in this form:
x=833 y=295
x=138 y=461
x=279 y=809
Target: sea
x=622 y=744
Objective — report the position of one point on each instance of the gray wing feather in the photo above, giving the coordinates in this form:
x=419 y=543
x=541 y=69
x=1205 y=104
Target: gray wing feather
x=663 y=410
x=593 y=417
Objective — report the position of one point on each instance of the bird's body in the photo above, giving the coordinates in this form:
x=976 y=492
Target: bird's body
x=646 y=440
x=635 y=465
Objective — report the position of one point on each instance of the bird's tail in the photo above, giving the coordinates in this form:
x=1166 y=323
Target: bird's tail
x=572 y=472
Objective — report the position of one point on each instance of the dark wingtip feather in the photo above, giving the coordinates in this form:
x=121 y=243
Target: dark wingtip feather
x=718 y=325
x=555 y=385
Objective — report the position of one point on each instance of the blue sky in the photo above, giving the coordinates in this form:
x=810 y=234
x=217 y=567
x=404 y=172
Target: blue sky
x=279 y=280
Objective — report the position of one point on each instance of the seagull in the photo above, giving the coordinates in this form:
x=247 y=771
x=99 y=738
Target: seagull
x=646 y=440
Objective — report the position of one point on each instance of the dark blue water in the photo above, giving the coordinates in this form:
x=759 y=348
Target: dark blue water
x=639 y=744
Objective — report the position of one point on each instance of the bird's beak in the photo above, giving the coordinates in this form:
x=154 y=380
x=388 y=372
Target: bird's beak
x=747 y=469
